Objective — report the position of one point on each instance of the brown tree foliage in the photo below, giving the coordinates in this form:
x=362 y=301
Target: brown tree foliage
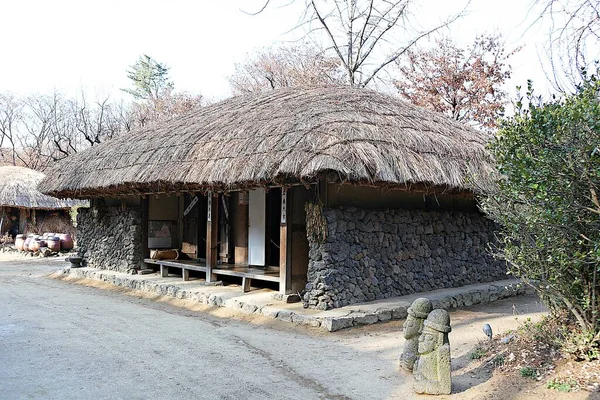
x=286 y=66
x=163 y=108
x=465 y=84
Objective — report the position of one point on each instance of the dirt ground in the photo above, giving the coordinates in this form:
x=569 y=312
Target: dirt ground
x=354 y=363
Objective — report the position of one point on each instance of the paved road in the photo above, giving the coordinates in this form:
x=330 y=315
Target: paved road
x=60 y=340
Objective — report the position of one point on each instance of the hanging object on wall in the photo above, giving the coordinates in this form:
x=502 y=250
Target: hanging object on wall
x=243 y=198
x=192 y=204
x=316 y=225
x=209 y=202
x=283 y=206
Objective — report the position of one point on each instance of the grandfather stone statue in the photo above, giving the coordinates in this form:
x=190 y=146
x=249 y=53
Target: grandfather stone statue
x=432 y=369
x=413 y=326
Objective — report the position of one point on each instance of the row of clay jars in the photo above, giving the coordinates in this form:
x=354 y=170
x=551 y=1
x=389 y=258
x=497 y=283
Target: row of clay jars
x=34 y=242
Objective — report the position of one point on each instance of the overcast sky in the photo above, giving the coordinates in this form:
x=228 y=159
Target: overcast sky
x=69 y=44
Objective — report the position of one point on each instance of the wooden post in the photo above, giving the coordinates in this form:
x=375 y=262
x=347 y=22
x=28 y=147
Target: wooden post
x=212 y=228
x=285 y=266
x=240 y=225
x=180 y=205
x=145 y=204
x=22 y=220
x=200 y=228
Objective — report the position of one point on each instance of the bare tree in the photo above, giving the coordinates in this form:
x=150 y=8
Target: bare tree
x=10 y=115
x=43 y=117
x=98 y=121
x=286 y=66
x=367 y=35
x=465 y=84
x=574 y=36
x=41 y=129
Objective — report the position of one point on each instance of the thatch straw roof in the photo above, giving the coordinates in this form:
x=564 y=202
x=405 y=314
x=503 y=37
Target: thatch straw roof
x=19 y=189
x=283 y=136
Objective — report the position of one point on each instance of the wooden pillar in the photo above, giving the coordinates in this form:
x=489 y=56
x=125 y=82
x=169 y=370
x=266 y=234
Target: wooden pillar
x=145 y=204
x=212 y=228
x=180 y=209
x=285 y=265
x=240 y=225
x=200 y=210
x=22 y=220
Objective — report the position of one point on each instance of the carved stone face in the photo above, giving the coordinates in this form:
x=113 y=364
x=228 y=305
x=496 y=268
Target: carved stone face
x=412 y=326
x=428 y=341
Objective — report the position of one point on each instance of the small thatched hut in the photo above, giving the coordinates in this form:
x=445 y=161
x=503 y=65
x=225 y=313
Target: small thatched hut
x=346 y=194
x=22 y=205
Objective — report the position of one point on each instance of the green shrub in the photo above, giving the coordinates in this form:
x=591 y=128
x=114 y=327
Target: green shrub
x=566 y=385
x=477 y=353
x=527 y=372
x=547 y=202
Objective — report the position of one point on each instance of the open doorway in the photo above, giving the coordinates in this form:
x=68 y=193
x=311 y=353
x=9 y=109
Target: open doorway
x=264 y=218
x=194 y=226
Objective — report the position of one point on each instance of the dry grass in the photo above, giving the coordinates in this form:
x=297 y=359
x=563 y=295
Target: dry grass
x=286 y=136
x=539 y=351
x=19 y=188
x=55 y=223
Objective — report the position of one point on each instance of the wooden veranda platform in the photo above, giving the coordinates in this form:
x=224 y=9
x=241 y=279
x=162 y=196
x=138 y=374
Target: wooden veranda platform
x=270 y=274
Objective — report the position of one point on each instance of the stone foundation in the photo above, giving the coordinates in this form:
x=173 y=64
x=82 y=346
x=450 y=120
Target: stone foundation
x=378 y=254
x=110 y=237
x=214 y=295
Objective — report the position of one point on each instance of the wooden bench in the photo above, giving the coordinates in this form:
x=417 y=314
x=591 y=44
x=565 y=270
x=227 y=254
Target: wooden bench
x=185 y=266
x=247 y=276
x=246 y=273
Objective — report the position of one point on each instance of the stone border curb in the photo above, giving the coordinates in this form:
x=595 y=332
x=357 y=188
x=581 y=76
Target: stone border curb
x=443 y=298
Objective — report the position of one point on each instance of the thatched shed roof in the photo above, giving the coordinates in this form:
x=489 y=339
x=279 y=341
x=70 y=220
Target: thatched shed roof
x=19 y=189
x=283 y=136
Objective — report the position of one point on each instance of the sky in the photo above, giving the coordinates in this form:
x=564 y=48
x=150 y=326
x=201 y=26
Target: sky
x=67 y=45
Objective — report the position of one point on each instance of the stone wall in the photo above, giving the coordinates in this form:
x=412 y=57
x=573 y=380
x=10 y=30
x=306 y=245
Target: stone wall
x=377 y=254
x=110 y=237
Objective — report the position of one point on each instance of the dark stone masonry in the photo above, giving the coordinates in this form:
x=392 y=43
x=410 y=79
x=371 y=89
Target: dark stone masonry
x=377 y=254
x=110 y=237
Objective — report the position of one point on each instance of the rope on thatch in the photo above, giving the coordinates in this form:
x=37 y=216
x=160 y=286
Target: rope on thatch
x=19 y=189
x=284 y=136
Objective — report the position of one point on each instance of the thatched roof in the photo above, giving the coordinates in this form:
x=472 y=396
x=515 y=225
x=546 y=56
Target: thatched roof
x=19 y=188
x=283 y=136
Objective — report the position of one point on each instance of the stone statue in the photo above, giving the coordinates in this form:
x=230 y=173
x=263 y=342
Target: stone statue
x=432 y=369
x=413 y=326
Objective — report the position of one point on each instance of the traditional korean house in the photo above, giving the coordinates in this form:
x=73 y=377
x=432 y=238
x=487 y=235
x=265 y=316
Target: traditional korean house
x=341 y=194
x=24 y=209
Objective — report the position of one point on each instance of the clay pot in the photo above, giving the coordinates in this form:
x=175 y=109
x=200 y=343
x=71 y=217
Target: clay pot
x=66 y=241
x=53 y=243
x=19 y=242
x=34 y=245
x=26 y=244
x=75 y=261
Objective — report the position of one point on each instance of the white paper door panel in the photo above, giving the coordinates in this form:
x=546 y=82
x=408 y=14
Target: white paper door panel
x=256 y=227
